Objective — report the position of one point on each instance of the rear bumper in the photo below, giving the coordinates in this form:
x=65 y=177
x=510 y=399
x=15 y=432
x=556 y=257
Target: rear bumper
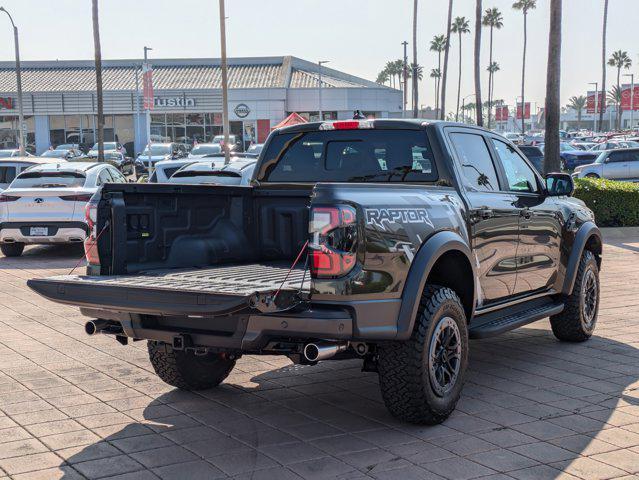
x=57 y=232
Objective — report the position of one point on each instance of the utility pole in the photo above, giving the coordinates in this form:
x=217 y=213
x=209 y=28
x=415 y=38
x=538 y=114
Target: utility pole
x=19 y=84
x=596 y=84
x=319 y=89
x=405 y=43
x=225 y=85
x=147 y=109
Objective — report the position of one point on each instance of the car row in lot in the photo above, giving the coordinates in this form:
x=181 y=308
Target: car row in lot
x=620 y=164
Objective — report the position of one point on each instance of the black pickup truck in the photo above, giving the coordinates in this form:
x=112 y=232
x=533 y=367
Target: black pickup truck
x=394 y=241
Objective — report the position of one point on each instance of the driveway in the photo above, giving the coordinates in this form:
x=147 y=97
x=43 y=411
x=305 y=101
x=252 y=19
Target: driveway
x=76 y=407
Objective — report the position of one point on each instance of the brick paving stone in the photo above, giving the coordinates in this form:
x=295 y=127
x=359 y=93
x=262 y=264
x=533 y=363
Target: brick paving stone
x=71 y=402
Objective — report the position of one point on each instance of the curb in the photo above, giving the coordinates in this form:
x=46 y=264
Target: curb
x=610 y=233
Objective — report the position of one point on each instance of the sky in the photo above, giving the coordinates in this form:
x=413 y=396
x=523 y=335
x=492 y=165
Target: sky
x=356 y=36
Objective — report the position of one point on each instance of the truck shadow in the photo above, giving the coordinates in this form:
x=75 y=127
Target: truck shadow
x=46 y=257
x=543 y=401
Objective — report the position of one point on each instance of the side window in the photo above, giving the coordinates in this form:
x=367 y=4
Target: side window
x=117 y=176
x=7 y=174
x=520 y=176
x=617 y=157
x=477 y=165
x=104 y=177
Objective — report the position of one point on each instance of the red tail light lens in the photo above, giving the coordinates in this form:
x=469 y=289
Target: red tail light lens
x=76 y=198
x=8 y=198
x=90 y=244
x=333 y=243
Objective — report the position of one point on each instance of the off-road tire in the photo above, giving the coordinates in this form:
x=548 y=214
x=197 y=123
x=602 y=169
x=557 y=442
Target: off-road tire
x=185 y=370
x=570 y=325
x=12 y=249
x=403 y=367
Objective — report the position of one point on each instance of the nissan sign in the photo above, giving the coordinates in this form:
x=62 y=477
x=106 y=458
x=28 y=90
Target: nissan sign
x=242 y=110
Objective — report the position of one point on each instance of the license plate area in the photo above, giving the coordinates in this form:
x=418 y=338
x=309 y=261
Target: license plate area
x=39 y=231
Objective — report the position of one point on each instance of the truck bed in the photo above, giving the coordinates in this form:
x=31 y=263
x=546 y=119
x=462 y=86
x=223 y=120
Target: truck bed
x=215 y=289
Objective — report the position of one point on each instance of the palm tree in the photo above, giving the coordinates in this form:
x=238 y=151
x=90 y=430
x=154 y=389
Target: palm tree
x=98 y=79
x=603 y=58
x=492 y=69
x=416 y=70
x=416 y=78
x=477 y=69
x=460 y=26
x=382 y=77
x=493 y=19
x=436 y=74
x=553 y=80
x=578 y=104
x=442 y=105
x=438 y=44
x=614 y=96
x=524 y=6
x=398 y=68
x=619 y=60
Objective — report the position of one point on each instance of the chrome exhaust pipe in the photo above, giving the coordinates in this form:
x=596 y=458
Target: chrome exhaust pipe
x=93 y=327
x=314 y=352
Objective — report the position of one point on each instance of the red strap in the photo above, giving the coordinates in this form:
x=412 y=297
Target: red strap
x=299 y=255
x=89 y=250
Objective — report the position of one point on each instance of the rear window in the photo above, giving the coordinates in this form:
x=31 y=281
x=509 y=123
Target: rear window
x=49 y=180
x=531 y=151
x=350 y=156
x=7 y=174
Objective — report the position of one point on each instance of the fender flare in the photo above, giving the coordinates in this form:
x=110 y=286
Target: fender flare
x=430 y=251
x=584 y=234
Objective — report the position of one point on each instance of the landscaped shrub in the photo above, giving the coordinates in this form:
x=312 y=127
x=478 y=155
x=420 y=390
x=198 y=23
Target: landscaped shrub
x=616 y=204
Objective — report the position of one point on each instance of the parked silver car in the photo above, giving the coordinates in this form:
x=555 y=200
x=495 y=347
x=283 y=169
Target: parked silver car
x=10 y=167
x=238 y=172
x=46 y=204
x=204 y=149
x=620 y=164
x=12 y=152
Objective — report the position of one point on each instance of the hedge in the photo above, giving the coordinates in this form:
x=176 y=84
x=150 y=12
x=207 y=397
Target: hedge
x=616 y=204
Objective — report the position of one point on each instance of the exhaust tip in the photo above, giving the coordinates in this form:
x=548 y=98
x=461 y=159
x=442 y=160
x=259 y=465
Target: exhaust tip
x=311 y=352
x=90 y=328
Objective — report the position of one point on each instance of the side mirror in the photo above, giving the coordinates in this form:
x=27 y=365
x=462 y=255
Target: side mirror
x=559 y=184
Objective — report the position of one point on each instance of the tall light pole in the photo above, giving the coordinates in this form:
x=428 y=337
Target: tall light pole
x=319 y=88
x=632 y=97
x=225 y=85
x=19 y=83
x=405 y=75
x=464 y=106
x=596 y=84
x=147 y=110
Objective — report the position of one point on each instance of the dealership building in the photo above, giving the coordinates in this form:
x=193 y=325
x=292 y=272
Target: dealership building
x=60 y=99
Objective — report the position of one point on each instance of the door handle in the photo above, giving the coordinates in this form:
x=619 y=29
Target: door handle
x=526 y=213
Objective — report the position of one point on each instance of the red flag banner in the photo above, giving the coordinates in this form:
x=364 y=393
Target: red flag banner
x=526 y=111
x=147 y=86
x=6 y=103
x=627 y=97
x=590 y=102
x=501 y=114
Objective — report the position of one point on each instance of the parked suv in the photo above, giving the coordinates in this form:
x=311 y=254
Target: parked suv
x=393 y=241
x=620 y=164
x=46 y=203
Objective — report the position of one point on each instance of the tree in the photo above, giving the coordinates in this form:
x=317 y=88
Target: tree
x=438 y=44
x=614 y=95
x=492 y=69
x=524 y=6
x=619 y=60
x=382 y=77
x=460 y=27
x=477 y=69
x=603 y=57
x=493 y=19
x=578 y=104
x=98 y=79
x=398 y=68
x=436 y=74
x=442 y=104
x=414 y=64
x=416 y=70
x=553 y=80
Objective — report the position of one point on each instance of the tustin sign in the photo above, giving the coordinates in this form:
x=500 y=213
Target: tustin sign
x=6 y=103
x=174 y=102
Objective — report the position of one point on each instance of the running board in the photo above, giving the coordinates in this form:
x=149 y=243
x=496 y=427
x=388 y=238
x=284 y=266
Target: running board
x=496 y=323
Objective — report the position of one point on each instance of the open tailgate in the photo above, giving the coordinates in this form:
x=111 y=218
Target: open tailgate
x=218 y=290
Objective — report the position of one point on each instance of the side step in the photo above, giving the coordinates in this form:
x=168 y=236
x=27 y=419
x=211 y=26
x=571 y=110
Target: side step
x=498 y=322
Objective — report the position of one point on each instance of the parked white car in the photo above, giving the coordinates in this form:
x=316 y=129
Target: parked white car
x=620 y=164
x=238 y=172
x=46 y=204
x=12 y=152
x=10 y=167
x=204 y=149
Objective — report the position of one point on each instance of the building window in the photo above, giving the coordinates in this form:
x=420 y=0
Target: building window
x=125 y=132
x=175 y=128
x=314 y=116
x=158 y=128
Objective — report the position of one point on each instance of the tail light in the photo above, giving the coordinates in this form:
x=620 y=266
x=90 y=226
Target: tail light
x=90 y=244
x=76 y=198
x=333 y=241
x=8 y=198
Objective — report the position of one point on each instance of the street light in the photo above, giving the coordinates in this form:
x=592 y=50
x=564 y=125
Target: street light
x=632 y=97
x=147 y=111
x=320 y=63
x=464 y=105
x=596 y=84
x=18 y=81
